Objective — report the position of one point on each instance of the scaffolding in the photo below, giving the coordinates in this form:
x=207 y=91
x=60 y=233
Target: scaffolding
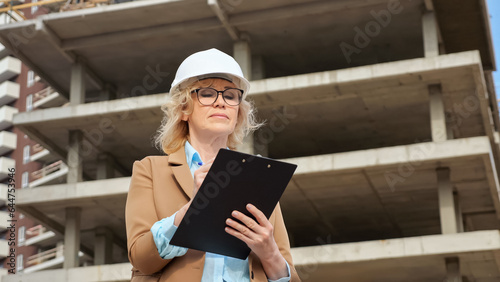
x=13 y=8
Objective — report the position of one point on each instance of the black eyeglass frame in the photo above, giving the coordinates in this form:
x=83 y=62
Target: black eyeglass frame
x=217 y=97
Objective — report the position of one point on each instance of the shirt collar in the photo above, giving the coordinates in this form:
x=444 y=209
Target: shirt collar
x=192 y=156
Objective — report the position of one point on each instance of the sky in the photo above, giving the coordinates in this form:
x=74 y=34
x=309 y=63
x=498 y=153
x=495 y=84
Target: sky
x=494 y=9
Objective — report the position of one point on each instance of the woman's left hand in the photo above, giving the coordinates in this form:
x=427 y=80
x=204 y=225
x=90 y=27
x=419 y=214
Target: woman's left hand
x=258 y=235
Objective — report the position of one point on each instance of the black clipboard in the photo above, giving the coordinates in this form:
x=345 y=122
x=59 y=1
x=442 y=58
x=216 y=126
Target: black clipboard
x=234 y=180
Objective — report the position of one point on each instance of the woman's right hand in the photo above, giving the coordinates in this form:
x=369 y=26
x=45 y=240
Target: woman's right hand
x=199 y=176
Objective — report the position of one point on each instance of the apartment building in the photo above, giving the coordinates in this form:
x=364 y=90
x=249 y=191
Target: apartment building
x=23 y=91
x=387 y=107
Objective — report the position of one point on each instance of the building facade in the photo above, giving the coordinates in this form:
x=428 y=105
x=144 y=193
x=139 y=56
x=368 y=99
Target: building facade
x=387 y=107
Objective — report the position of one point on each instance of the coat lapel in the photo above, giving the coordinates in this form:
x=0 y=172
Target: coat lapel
x=177 y=161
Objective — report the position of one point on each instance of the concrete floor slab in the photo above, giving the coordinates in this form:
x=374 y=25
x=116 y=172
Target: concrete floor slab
x=305 y=114
x=350 y=203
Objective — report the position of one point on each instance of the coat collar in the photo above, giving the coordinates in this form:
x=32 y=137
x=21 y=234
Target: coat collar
x=177 y=161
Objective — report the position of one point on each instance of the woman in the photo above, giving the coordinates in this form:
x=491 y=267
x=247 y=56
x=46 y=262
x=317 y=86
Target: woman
x=207 y=111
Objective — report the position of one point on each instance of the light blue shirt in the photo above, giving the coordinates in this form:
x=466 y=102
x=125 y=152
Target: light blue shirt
x=217 y=267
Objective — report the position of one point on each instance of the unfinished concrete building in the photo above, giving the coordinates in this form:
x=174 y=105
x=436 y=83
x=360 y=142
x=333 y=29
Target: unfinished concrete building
x=388 y=107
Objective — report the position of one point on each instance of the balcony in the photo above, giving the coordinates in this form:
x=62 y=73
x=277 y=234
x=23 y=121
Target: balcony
x=48 y=98
x=9 y=92
x=38 y=235
x=55 y=173
x=8 y=141
x=40 y=154
x=6 y=116
x=4 y=248
x=5 y=164
x=4 y=52
x=49 y=259
x=4 y=223
x=3 y=194
x=9 y=68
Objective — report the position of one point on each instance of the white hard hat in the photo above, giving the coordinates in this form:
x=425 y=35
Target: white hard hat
x=209 y=64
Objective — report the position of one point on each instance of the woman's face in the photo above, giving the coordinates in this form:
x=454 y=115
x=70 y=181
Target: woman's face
x=216 y=120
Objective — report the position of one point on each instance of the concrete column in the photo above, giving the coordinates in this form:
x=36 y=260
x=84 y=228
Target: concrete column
x=258 y=71
x=458 y=213
x=75 y=158
x=248 y=145
x=72 y=237
x=243 y=56
x=77 y=88
x=107 y=93
x=430 y=34
x=438 y=119
x=453 y=270
x=447 y=210
x=105 y=169
x=103 y=246
x=261 y=142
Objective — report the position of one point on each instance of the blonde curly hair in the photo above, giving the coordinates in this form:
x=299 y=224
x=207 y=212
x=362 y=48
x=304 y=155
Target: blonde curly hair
x=173 y=131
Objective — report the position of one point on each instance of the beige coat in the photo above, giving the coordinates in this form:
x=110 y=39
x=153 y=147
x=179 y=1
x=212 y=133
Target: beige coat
x=160 y=186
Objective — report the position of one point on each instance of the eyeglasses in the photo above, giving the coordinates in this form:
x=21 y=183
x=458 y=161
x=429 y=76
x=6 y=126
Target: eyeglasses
x=207 y=96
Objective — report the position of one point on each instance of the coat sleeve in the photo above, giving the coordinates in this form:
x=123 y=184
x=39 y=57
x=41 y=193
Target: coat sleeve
x=140 y=215
x=281 y=238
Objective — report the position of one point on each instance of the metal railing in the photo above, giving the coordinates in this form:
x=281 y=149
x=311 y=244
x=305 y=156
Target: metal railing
x=55 y=166
x=42 y=94
x=36 y=230
x=45 y=256
x=37 y=148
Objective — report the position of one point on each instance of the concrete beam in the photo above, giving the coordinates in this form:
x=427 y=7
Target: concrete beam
x=298 y=10
x=20 y=55
x=487 y=26
x=223 y=18
x=430 y=34
x=197 y=25
x=401 y=69
x=306 y=257
x=119 y=272
x=72 y=192
x=72 y=237
x=121 y=107
x=49 y=223
x=447 y=210
x=40 y=26
x=266 y=87
x=438 y=119
x=391 y=156
x=423 y=246
x=139 y=34
x=70 y=56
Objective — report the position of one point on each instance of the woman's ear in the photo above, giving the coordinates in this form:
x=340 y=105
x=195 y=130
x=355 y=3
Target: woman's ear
x=185 y=117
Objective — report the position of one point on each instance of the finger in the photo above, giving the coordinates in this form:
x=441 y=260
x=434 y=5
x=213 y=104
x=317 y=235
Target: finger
x=245 y=231
x=237 y=234
x=259 y=215
x=247 y=221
